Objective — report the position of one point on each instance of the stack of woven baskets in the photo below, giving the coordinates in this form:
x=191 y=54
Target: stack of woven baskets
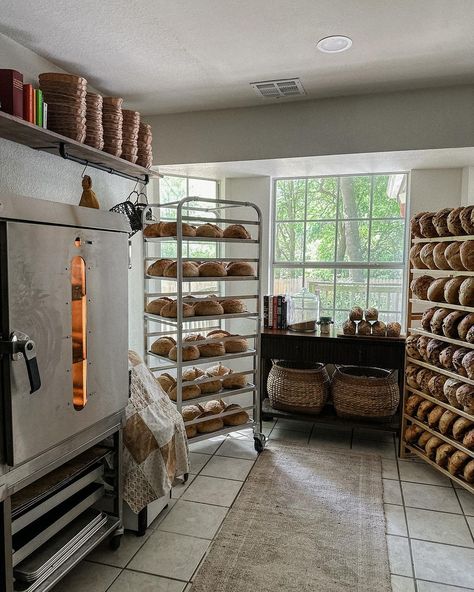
x=145 y=139
x=130 y=127
x=357 y=392
x=94 y=128
x=112 y=121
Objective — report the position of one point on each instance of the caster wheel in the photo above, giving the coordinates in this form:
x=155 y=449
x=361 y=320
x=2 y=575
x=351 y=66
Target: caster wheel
x=185 y=477
x=259 y=442
x=115 y=542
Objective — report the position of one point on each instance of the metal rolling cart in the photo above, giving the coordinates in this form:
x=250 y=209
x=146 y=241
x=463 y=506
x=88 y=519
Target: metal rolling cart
x=201 y=210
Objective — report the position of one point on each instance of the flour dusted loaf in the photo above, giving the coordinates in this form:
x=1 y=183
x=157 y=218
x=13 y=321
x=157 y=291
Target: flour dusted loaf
x=187 y=392
x=411 y=347
x=422 y=347
x=436 y=290
x=465 y=398
x=470 y=335
x=426 y=318
x=468 y=364
x=170 y=310
x=466 y=292
x=379 y=328
x=427 y=256
x=190 y=352
x=426 y=225
x=162 y=346
x=466 y=219
x=439 y=255
x=166 y=381
x=434 y=350
x=454 y=222
x=464 y=326
x=234 y=380
x=410 y=373
x=420 y=285
x=415 y=224
x=210 y=423
x=415 y=257
x=371 y=314
x=364 y=328
x=453 y=256
x=440 y=222
x=449 y=389
x=437 y=320
x=208 y=308
x=446 y=357
x=451 y=322
x=466 y=252
x=458 y=357
x=238 y=417
x=436 y=386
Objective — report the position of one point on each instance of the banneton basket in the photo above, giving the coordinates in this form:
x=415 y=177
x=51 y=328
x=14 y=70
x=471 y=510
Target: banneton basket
x=298 y=387
x=367 y=393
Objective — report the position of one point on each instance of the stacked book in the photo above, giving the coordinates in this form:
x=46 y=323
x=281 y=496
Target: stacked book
x=275 y=309
x=112 y=120
x=21 y=100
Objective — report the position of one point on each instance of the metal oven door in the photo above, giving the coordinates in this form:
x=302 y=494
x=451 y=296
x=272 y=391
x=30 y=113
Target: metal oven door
x=66 y=290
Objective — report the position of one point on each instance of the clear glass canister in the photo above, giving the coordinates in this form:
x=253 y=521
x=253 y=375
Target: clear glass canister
x=303 y=312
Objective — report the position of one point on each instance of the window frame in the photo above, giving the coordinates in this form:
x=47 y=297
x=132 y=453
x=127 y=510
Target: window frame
x=336 y=265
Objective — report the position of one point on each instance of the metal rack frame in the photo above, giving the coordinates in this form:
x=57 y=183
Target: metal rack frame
x=412 y=317
x=181 y=325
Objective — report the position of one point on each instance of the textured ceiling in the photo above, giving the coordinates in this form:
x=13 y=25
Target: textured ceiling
x=187 y=55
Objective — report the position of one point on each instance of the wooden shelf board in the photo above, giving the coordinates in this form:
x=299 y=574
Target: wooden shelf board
x=443 y=272
x=441 y=436
x=446 y=406
x=441 y=338
x=442 y=305
x=443 y=239
x=440 y=370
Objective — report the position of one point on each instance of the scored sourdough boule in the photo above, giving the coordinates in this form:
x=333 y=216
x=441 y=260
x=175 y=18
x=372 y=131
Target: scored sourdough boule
x=439 y=256
x=440 y=222
x=451 y=289
x=158 y=267
x=411 y=347
x=465 y=325
x=466 y=292
x=451 y=322
x=209 y=230
x=190 y=269
x=453 y=256
x=212 y=269
x=420 y=285
x=208 y=308
x=415 y=224
x=155 y=306
x=427 y=257
x=466 y=219
x=426 y=225
x=423 y=346
x=412 y=402
x=356 y=314
x=415 y=258
x=240 y=268
x=426 y=318
x=171 y=229
x=436 y=290
x=437 y=319
x=443 y=453
x=454 y=222
x=467 y=255
x=436 y=387
x=236 y=231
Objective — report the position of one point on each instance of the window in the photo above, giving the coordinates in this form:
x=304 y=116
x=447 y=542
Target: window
x=344 y=238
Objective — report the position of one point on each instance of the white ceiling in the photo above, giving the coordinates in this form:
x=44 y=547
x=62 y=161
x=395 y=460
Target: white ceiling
x=347 y=164
x=168 y=56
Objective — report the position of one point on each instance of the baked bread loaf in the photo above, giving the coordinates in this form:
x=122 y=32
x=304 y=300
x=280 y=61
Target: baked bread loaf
x=210 y=230
x=465 y=398
x=453 y=256
x=411 y=404
x=451 y=322
x=440 y=222
x=468 y=472
x=466 y=292
x=187 y=392
x=451 y=290
x=207 y=308
x=171 y=229
x=171 y=310
x=214 y=407
x=434 y=350
x=162 y=346
x=426 y=225
x=190 y=269
x=233 y=306
x=379 y=328
x=415 y=258
x=439 y=255
x=423 y=409
x=410 y=374
x=240 y=268
x=157 y=269
x=427 y=257
x=356 y=314
x=446 y=357
x=364 y=328
x=446 y=422
x=210 y=423
x=371 y=314
x=432 y=445
x=450 y=388
x=191 y=431
x=152 y=230
x=413 y=432
x=443 y=454
x=436 y=290
x=415 y=224
x=423 y=347
x=466 y=219
x=437 y=320
x=457 y=461
x=213 y=386
x=192 y=374
x=155 y=306
x=468 y=440
x=239 y=416
x=212 y=269
x=436 y=385
x=411 y=347
x=166 y=381
x=349 y=327
x=210 y=350
x=218 y=371
x=435 y=415
x=457 y=360
x=454 y=222
x=190 y=412
x=235 y=345
x=234 y=380
x=466 y=252
x=236 y=231
x=420 y=285
x=393 y=329
x=190 y=352
x=470 y=335
x=468 y=364
x=461 y=427
x=464 y=326
x=426 y=318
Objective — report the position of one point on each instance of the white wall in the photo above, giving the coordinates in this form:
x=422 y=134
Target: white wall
x=434 y=189
x=24 y=171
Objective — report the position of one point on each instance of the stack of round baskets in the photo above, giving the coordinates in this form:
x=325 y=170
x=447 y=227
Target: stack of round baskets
x=368 y=393
x=293 y=386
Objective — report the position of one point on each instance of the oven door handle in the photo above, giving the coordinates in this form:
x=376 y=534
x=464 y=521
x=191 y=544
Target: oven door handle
x=21 y=346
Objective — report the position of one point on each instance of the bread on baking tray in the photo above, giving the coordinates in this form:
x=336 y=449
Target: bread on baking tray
x=212 y=269
x=190 y=269
x=158 y=267
x=152 y=230
x=209 y=230
x=171 y=229
x=240 y=268
x=162 y=346
x=236 y=231
x=155 y=306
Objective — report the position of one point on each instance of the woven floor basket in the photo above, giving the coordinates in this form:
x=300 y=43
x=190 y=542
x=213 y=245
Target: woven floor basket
x=369 y=393
x=298 y=387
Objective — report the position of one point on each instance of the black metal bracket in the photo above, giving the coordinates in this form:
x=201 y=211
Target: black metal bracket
x=101 y=167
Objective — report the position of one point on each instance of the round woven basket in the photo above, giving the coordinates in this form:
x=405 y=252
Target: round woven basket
x=302 y=388
x=368 y=393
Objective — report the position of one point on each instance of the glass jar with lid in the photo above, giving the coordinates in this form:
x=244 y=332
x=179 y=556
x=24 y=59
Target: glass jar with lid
x=303 y=311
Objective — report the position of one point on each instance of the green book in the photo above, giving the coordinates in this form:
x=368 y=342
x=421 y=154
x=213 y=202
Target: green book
x=39 y=107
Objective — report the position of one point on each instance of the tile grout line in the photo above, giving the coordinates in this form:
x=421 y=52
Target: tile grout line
x=471 y=530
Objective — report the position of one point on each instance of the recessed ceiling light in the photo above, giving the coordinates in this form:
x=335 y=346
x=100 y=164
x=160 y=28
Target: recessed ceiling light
x=334 y=44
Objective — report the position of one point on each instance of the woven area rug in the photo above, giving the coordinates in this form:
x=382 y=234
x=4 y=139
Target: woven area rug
x=304 y=521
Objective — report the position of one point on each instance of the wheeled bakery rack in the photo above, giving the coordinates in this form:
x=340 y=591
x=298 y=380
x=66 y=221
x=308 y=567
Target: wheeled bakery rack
x=413 y=327
x=201 y=210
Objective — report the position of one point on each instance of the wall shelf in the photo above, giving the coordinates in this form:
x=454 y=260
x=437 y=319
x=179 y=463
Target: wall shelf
x=35 y=137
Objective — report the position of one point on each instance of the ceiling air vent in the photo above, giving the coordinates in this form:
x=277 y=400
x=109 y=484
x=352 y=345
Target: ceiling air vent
x=277 y=89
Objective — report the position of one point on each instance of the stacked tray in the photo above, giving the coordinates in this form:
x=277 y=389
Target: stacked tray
x=131 y=124
x=65 y=95
x=112 y=121
x=145 y=140
x=94 y=127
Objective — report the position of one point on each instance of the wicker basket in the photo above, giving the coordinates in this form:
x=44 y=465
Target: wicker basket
x=368 y=393
x=298 y=387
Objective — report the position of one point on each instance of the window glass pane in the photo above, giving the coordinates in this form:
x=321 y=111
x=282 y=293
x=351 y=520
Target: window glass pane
x=289 y=241
x=172 y=189
x=322 y=198
x=389 y=196
x=287 y=281
x=203 y=188
x=322 y=281
x=389 y=317
x=339 y=318
x=354 y=197
x=290 y=199
x=353 y=241
x=387 y=240
x=386 y=289
x=351 y=288
x=320 y=241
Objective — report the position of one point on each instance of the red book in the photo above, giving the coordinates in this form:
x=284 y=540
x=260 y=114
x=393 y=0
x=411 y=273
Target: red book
x=11 y=92
x=29 y=103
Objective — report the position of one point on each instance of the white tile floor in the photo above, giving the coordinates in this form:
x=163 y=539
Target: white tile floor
x=429 y=523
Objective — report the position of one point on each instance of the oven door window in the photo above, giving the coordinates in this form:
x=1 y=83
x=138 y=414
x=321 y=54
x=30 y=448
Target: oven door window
x=79 y=332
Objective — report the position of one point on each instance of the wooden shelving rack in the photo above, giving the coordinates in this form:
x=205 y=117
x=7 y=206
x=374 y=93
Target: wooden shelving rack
x=408 y=449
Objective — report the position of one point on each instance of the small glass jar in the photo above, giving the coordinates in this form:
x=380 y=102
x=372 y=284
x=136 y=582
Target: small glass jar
x=325 y=325
x=303 y=311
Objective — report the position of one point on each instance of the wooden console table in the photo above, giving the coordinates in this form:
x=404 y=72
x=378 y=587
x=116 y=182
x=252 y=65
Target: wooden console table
x=278 y=344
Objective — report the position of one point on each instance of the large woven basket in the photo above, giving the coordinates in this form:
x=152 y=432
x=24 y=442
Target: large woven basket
x=302 y=388
x=368 y=393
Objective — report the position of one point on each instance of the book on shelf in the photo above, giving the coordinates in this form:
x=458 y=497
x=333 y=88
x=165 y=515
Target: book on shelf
x=275 y=310
x=45 y=115
x=28 y=103
x=11 y=92
x=39 y=107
